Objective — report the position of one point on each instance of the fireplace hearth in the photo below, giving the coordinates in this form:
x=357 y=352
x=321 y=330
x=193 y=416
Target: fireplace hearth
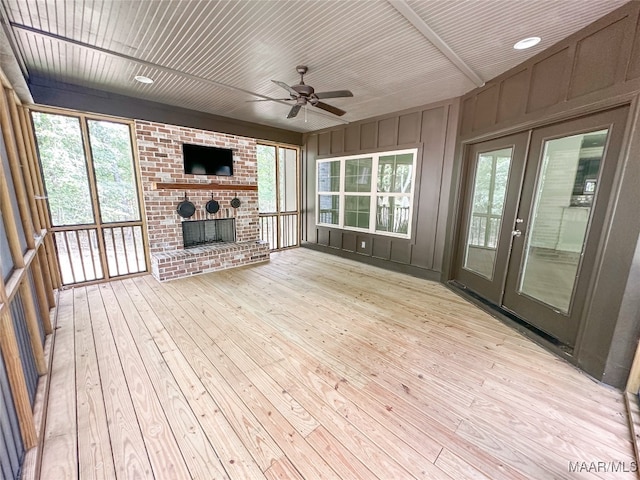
x=203 y=232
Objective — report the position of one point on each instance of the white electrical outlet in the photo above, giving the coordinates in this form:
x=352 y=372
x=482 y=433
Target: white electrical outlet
x=363 y=245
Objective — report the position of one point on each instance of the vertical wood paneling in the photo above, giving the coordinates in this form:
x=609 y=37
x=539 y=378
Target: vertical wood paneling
x=400 y=251
x=368 y=135
x=335 y=238
x=598 y=59
x=409 y=128
x=351 y=138
x=381 y=247
x=633 y=69
x=388 y=132
x=513 y=96
x=468 y=109
x=428 y=196
x=548 y=79
x=337 y=141
x=349 y=241
x=324 y=143
x=323 y=236
x=364 y=244
x=486 y=108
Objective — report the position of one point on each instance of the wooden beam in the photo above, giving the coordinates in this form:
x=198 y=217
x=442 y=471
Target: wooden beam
x=41 y=293
x=42 y=259
x=11 y=354
x=38 y=185
x=8 y=132
x=25 y=154
x=204 y=186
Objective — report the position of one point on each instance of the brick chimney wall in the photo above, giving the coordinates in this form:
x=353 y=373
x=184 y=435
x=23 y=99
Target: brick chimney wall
x=160 y=157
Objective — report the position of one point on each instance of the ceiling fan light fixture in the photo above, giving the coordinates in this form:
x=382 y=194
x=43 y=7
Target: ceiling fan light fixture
x=143 y=79
x=527 y=43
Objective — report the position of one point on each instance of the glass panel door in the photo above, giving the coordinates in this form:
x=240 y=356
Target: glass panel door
x=567 y=184
x=494 y=173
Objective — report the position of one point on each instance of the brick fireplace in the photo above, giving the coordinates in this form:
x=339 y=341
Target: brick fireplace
x=164 y=186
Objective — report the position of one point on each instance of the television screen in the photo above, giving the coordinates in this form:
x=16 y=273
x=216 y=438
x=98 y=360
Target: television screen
x=203 y=160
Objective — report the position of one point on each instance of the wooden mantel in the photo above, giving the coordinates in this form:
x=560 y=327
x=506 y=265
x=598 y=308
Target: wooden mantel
x=204 y=186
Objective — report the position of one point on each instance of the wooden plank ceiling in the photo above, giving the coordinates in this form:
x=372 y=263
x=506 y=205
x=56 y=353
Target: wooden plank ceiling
x=214 y=56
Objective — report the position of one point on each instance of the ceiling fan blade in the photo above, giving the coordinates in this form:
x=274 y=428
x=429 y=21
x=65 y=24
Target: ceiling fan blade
x=294 y=111
x=329 y=108
x=270 y=99
x=334 y=94
x=286 y=87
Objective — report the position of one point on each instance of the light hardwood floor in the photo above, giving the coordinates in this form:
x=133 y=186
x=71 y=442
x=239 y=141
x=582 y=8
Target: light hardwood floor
x=312 y=366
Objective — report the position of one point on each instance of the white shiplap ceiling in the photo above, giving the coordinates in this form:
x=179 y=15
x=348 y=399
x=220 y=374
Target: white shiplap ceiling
x=214 y=56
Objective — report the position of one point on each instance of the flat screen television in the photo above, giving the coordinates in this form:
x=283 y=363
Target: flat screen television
x=204 y=160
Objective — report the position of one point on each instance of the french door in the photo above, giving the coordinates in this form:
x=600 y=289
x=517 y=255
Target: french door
x=534 y=208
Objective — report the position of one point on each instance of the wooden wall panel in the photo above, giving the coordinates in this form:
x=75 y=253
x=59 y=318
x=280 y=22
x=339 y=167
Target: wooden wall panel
x=486 y=108
x=425 y=128
x=400 y=251
x=466 y=118
x=324 y=143
x=409 y=128
x=598 y=59
x=433 y=134
x=633 y=69
x=349 y=241
x=368 y=135
x=596 y=63
x=364 y=245
x=388 y=132
x=337 y=142
x=323 y=236
x=513 y=96
x=381 y=247
x=352 y=138
x=548 y=80
x=335 y=238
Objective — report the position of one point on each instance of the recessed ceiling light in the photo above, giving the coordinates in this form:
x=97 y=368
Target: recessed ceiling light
x=527 y=43
x=142 y=79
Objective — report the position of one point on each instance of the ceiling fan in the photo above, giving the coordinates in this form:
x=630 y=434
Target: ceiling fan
x=304 y=94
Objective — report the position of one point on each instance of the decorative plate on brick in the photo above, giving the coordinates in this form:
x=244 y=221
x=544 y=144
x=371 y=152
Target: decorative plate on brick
x=235 y=202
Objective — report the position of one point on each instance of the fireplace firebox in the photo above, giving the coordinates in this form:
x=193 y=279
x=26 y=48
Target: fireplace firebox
x=203 y=232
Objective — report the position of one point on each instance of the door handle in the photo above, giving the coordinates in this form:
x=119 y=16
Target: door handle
x=516 y=233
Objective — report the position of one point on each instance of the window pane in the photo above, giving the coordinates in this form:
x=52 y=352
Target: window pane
x=329 y=176
x=113 y=165
x=356 y=211
x=287 y=168
x=64 y=168
x=395 y=173
x=266 y=155
x=392 y=214
x=562 y=209
x=489 y=189
x=358 y=175
x=328 y=209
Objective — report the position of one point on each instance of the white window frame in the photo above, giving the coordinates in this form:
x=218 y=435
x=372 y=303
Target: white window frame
x=341 y=193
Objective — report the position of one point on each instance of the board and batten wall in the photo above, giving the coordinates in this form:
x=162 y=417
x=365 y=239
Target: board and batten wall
x=430 y=129
x=595 y=69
